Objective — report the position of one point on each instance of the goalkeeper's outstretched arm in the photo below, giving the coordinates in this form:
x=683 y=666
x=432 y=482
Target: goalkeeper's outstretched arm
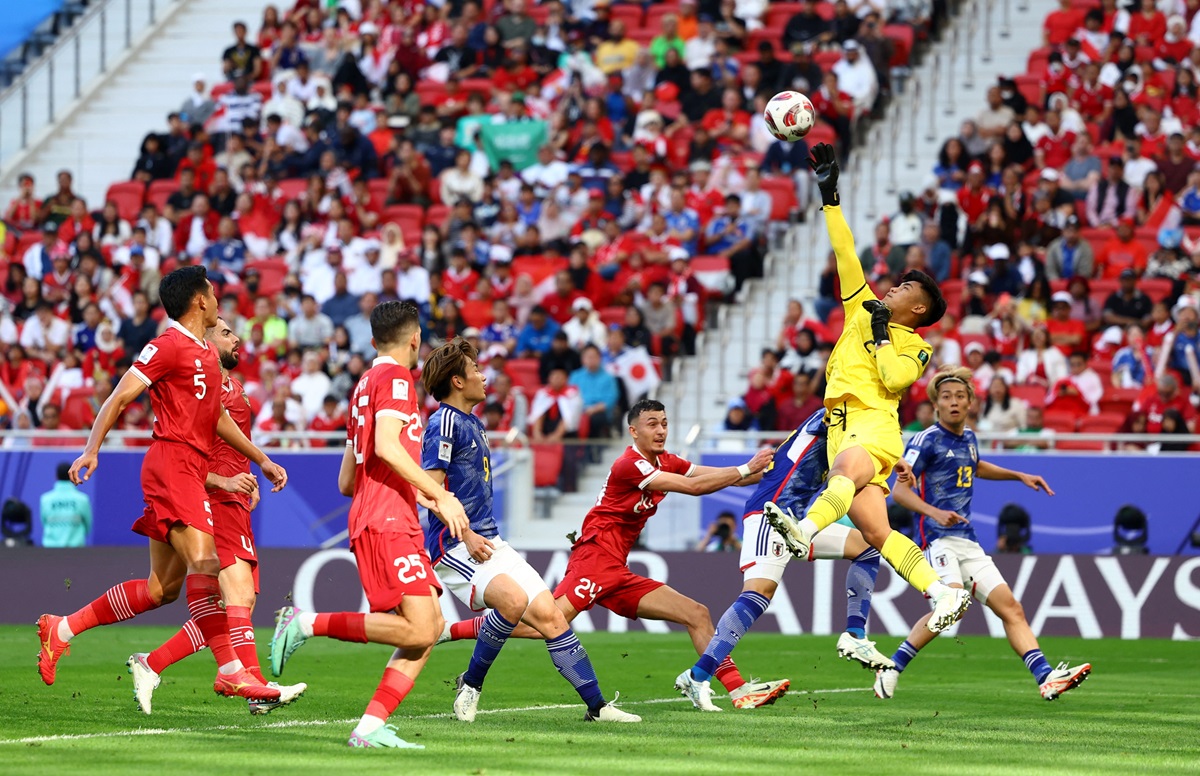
x=854 y=286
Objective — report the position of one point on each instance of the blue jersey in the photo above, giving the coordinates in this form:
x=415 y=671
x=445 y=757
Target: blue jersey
x=456 y=443
x=797 y=472
x=944 y=465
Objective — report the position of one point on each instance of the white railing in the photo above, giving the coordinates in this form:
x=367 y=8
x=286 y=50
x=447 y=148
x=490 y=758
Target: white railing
x=67 y=69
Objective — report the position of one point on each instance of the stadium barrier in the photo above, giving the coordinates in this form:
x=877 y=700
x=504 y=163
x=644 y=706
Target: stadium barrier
x=1063 y=595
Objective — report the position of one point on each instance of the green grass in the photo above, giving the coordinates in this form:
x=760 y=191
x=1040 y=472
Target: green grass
x=964 y=706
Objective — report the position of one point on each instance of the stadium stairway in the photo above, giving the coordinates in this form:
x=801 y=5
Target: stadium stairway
x=98 y=140
x=869 y=188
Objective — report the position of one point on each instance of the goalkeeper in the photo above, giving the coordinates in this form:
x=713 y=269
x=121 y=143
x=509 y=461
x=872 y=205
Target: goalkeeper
x=876 y=359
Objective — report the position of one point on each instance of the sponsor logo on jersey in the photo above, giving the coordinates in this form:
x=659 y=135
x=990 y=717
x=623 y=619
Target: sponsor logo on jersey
x=644 y=466
x=400 y=389
x=445 y=451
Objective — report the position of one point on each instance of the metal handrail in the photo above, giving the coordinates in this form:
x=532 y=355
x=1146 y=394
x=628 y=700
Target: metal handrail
x=19 y=89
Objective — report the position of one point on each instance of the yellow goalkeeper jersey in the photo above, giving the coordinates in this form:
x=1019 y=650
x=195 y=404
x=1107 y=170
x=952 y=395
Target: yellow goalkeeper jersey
x=855 y=370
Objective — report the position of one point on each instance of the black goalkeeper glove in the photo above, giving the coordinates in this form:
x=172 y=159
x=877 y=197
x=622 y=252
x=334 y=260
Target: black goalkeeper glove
x=825 y=168
x=880 y=316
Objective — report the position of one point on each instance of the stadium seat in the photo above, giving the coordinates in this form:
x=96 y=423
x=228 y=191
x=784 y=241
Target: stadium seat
x=159 y=192
x=525 y=374
x=1104 y=423
x=1033 y=395
x=538 y=268
x=655 y=13
x=1060 y=421
x=902 y=36
x=547 y=465
x=476 y=312
x=292 y=188
x=1157 y=289
x=613 y=316
x=1080 y=445
x=76 y=410
x=271 y=274
x=436 y=214
x=129 y=196
x=631 y=15
x=378 y=188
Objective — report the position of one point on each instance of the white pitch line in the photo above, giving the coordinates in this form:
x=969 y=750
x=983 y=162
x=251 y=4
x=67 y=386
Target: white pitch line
x=296 y=723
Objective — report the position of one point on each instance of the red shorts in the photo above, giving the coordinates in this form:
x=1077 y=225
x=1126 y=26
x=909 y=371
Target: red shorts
x=596 y=577
x=391 y=566
x=173 y=489
x=234 y=536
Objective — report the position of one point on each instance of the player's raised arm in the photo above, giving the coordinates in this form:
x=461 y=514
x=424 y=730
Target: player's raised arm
x=388 y=429
x=854 y=286
x=707 y=479
x=130 y=387
x=990 y=471
x=228 y=430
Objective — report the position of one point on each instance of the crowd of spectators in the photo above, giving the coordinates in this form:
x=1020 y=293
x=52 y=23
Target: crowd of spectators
x=570 y=184
x=1062 y=226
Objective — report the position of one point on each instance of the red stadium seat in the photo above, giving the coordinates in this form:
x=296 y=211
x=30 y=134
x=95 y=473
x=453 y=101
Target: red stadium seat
x=436 y=214
x=547 y=465
x=76 y=410
x=159 y=192
x=476 y=312
x=1104 y=423
x=271 y=273
x=655 y=13
x=525 y=374
x=902 y=36
x=129 y=196
x=537 y=268
x=292 y=188
x=1060 y=421
x=631 y=15
x=778 y=15
x=610 y=316
x=1033 y=395
x=1080 y=445
x=1157 y=289
x=378 y=188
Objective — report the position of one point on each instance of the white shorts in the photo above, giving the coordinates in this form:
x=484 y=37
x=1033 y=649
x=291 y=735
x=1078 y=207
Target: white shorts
x=765 y=556
x=468 y=579
x=964 y=562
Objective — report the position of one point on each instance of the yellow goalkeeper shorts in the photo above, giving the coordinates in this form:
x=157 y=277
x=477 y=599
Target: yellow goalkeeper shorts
x=878 y=432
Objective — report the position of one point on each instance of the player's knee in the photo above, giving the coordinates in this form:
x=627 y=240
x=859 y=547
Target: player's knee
x=699 y=615
x=1011 y=611
x=164 y=593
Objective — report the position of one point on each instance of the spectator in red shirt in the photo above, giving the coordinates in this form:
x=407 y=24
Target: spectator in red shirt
x=1165 y=395
x=516 y=75
x=77 y=222
x=1062 y=23
x=1091 y=98
x=201 y=164
x=728 y=123
x=594 y=216
x=459 y=279
x=196 y=229
x=1147 y=26
x=331 y=417
x=1066 y=333
x=1154 y=140
x=1122 y=251
x=702 y=196
x=1056 y=146
x=23 y=210
x=558 y=303
x=1174 y=47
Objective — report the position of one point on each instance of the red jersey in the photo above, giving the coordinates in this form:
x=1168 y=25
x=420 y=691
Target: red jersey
x=1155 y=405
x=626 y=502
x=1091 y=99
x=1057 y=148
x=224 y=460
x=383 y=502
x=183 y=376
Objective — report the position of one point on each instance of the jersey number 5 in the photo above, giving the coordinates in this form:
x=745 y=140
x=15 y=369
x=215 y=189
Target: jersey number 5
x=411 y=568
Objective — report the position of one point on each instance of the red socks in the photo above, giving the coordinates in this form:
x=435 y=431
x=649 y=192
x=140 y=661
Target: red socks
x=123 y=602
x=466 y=629
x=389 y=694
x=343 y=626
x=186 y=642
x=241 y=635
x=204 y=603
x=728 y=675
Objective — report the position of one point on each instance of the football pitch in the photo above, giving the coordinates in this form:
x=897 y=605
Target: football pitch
x=964 y=706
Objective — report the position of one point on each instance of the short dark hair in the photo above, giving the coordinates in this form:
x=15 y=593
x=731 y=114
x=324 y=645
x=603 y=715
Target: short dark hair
x=493 y=407
x=63 y=473
x=179 y=288
x=644 y=405
x=390 y=321
x=444 y=364
x=937 y=302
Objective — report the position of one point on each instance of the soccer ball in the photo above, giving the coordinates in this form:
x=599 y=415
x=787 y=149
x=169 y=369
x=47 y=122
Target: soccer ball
x=790 y=116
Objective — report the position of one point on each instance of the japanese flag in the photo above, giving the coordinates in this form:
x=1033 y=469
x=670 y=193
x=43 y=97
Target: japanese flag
x=636 y=369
